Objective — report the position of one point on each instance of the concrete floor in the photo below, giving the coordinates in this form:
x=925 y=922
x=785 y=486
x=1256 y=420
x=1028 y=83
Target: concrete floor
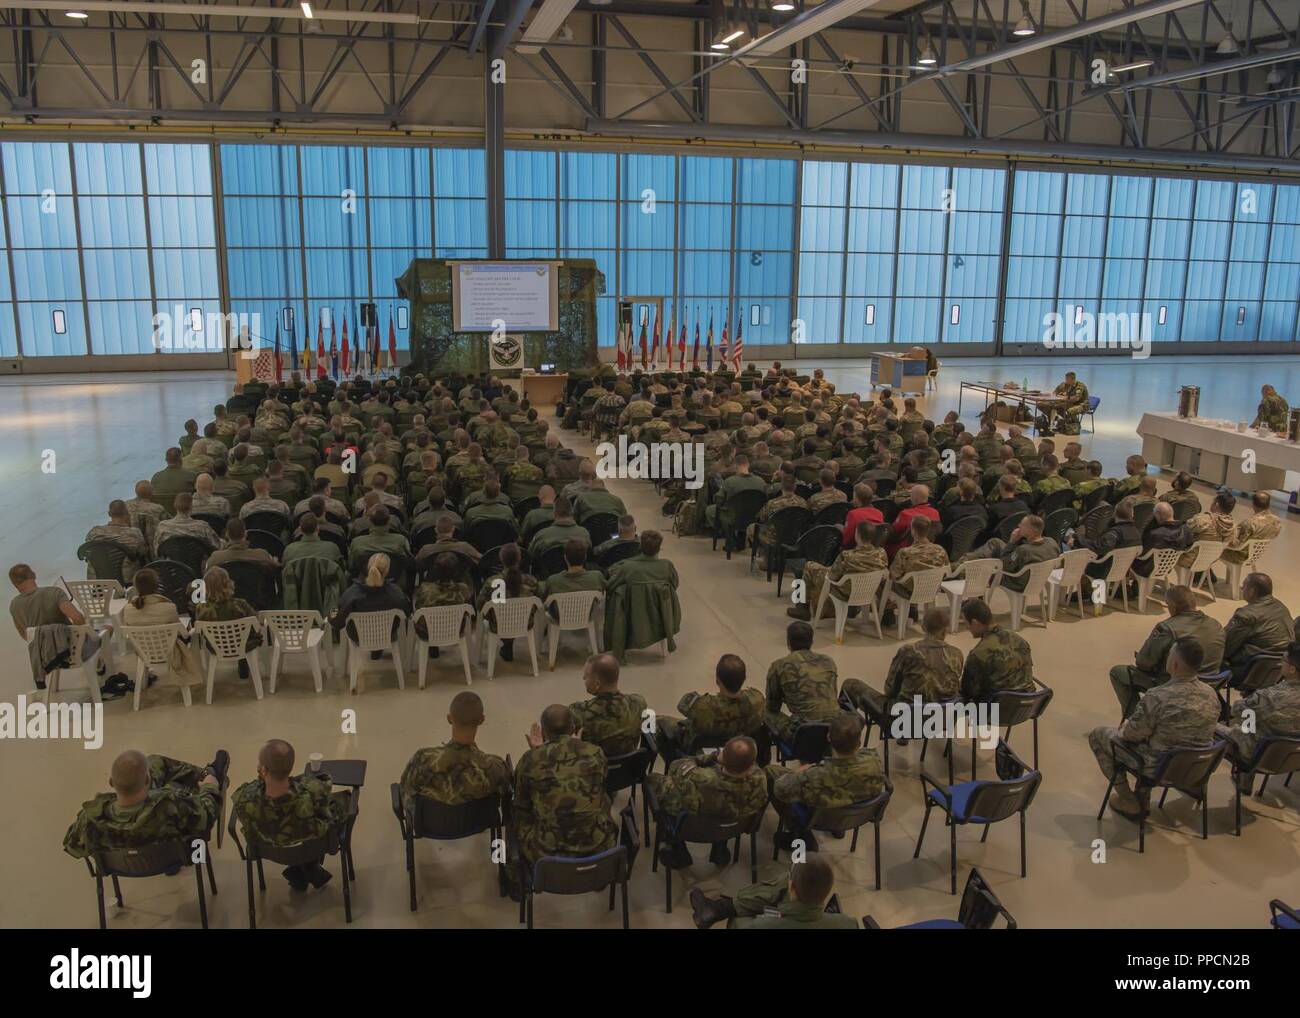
x=108 y=431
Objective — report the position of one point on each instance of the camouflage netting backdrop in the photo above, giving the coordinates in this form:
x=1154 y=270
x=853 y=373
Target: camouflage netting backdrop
x=435 y=347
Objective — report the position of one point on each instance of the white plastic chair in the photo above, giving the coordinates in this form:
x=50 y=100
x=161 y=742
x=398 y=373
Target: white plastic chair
x=1206 y=554
x=374 y=633
x=79 y=636
x=1067 y=579
x=95 y=598
x=1163 y=562
x=1253 y=548
x=864 y=593
x=974 y=578
x=1121 y=561
x=576 y=610
x=226 y=642
x=445 y=626
x=1036 y=576
x=296 y=632
x=925 y=591
x=932 y=376
x=515 y=617
x=153 y=650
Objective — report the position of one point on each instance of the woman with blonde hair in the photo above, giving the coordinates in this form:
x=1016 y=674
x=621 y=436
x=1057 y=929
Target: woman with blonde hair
x=376 y=592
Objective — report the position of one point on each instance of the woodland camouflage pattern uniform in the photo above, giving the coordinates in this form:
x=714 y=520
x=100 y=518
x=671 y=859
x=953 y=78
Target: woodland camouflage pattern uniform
x=698 y=785
x=611 y=721
x=309 y=810
x=453 y=774
x=1000 y=661
x=1273 y=412
x=864 y=559
x=834 y=782
x=806 y=683
x=560 y=804
x=928 y=668
x=711 y=719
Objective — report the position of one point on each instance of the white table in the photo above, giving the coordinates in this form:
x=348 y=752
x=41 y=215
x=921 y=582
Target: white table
x=1214 y=454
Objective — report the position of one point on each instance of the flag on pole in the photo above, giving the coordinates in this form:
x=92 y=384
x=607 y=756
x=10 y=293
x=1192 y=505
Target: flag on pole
x=293 y=347
x=618 y=348
x=695 y=354
x=668 y=340
x=392 y=340
x=279 y=358
x=321 y=368
x=344 y=365
x=645 y=361
x=681 y=347
x=722 y=364
x=307 y=358
x=376 y=365
x=708 y=343
x=739 y=348
x=334 y=349
x=654 y=349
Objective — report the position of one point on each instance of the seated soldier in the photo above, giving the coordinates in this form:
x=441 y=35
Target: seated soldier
x=1181 y=493
x=1262 y=525
x=144 y=512
x=851 y=774
x=1135 y=468
x=803 y=681
x=575 y=577
x=205 y=501
x=1026 y=547
x=865 y=557
x=119 y=531
x=155 y=799
x=610 y=719
x=237 y=549
x=491 y=504
x=309 y=543
x=732 y=485
x=562 y=529
x=279 y=808
x=1273 y=711
x=1121 y=533
x=919 y=554
x=725 y=786
x=1001 y=660
x=263 y=502
x=1163 y=532
x=445 y=531
x=1216 y=524
x=828 y=494
x=626 y=535
x=641 y=603
x=930 y=668
x=183 y=525
x=710 y=719
x=458 y=771
x=797 y=902
x=1261 y=626
x=447 y=588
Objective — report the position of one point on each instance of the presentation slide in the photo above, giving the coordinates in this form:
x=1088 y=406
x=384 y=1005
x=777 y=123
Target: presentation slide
x=520 y=296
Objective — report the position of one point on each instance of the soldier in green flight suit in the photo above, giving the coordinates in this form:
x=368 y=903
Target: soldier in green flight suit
x=797 y=902
x=732 y=485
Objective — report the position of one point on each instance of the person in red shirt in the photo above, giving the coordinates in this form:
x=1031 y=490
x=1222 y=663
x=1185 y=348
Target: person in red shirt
x=920 y=506
x=862 y=512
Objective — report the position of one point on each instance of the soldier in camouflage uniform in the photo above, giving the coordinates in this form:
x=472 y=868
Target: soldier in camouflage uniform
x=444 y=590
x=726 y=786
x=1184 y=711
x=1261 y=626
x=1276 y=712
x=1273 y=412
x=828 y=495
x=1001 y=660
x=610 y=719
x=787 y=498
x=921 y=554
x=1135 y=468
x=1051 y=480
x=282 y=809
x=987 y=444
x=458 y=771
x=803 y=681
x=1180 y=493
x=1075 y=395
x=930 y=668
x=1025 y=450
x=1262 y=525
x=866 y=556
x=710 y=719
x=521 y=479
x=796 y=902
x=1026 y=547
x=155 y=799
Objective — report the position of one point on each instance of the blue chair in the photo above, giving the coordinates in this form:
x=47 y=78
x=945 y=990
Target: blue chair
x=1283 y=917
x=576 y=875
x=1187 y=769
x=978 y=909
x=1090 y=413
x=982 y=802
x=1274 y=755
x=811 y=743
x=839 y=820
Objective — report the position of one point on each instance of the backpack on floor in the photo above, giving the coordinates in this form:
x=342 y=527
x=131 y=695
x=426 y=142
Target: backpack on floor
x=689 y=520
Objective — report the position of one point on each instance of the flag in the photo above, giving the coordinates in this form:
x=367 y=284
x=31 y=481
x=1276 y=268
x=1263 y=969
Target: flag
x=681 y=347
x=293 y=347
x=645 y=362
x=375 y=348
x=321 y=369
x=279 y=358
x=722 y=363
x=654 y=348
x=695 y=354
x=708 y=344
x=739 y=348
x=618 y=348
x=345 y=347
x=668 y=341
x=392 y=340
x=334 y=349
x=306 y=353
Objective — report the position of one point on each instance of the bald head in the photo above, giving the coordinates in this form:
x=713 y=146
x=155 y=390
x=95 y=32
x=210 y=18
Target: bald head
x=557 y=721
x=130 y=774
x=738 y=755
x=276 y=758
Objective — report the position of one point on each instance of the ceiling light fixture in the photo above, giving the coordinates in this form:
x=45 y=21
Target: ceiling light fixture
x=782 y=5
x=927 y=57
x=1025 y=26
x=306 y=10
x=1137 y=65
x=1228 y=46
x=78 y=15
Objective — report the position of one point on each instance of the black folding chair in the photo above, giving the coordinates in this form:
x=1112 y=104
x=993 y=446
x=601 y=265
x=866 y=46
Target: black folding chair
x=189 y=551
x=839 y=820
x=150 y=861
x=788 y=525
x=265 y=519
x=439 y=822
x=811 y=743
x=550 y=562
x=1098 y=495
x=1274 y=756
x=690 y=828
x=576 y=875
x=1187 y=769
x=978 y=910
x=106 y=559
x=1015 y=707
x=820 y=544
x=617 y=553
x=490 y=533
x=629 y=771
x=743 y=507
x=267 y=541
x=217 y=523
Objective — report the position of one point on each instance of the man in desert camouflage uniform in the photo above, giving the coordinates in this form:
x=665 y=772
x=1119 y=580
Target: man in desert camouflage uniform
x=828 y=495
x=804 y=681
x=1273 y=411
x=921 y=554
x=1262 y=525
x=929 y=668
x=458 y=771
x=710 y=719
x=610 y=719
x=1001 y=660
x=864 y=557
x=787 y=498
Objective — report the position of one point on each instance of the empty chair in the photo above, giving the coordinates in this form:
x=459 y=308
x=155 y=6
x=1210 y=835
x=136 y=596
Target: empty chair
x=978 y=910
x=1056 y=523
x=440 y=822
x=574 y=611
x=176 y=582
x=95 y=598
x=1067 y=579
x=268 y=521
x=601 y=526
x=576 y=875
x=628 y=770
x=227 y=642
x=1187 y=769
x=1119 y=561
x=1274 y=756
x=255 y=583
x=270 y=543
x=1283 y=916
x=973 y=579
x=926 y=585
x=444 y=626
x=488 y=532
x=296 y=632
x=154 y=860
x=1096 y=521
x=1205 y=554
x=1035 y=591
x=961 y=536
x=189 y=551
x=374 y=632
x=820 y=544
x=811 y=743
x=1253 y=549
x=832 y=515
x=1163 y=562
x=863 y=594
x=153 y=646
x=840 y=820
x=1015 y=707
x=509 y=619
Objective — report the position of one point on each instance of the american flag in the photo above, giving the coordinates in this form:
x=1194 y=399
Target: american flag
x=740 y=346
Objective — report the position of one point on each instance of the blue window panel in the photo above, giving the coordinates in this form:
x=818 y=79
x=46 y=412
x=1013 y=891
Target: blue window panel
x=1131 y=196
x=1286 y=204
x=1284 y=246
x=820 y=275
x=824 y=183
x=530 y=224
x=646 y=172
x=178 y=169
x=1123 y=278
x=975 y=232
x=1210 y=240
x=1081 y=277
x=1126 y=238
x=1169 y=238
x=184 y=273
x=529 y=174
x=606 y=321
x=398 y=172
x=182 y=222
x=530 y=252
x=107 y=168
x=604 y=260
x=1031 y=277
x=6 y=293
x=978 y=190
x=32 y=167
x=262 y=222
x=705 y=227
x=872 y=229
x=36 y=323
x=922 y=232
x=1038 y=191
x=1035 y=235
x=1283 y=281
x=701 y=273
x=1257 y=196
x=856 y=329
x=1245 y=281
x=763 y=272
x=1215 y=199
x=1277 y=320
x=589 y=223
x=460 y=223
x=874 y=185
x=1201 y=320
x=8 y=336
x=119 y=273
x=1165 y=278
x=1240 y=320
x=1173 y=198
x=972 y=275
x=822 y=229
x=1087 y=194
x=261 y=318
x=327 y=225
x=124 y=326
x=259 y=169
x=648 y=229
x=47 y=275
x=112 y=222
x=1205 y=278
x=329 y=170
x=760 y=227
x=459 y=173
x=30 y=226
x=387 y=264
x=645 y=273
x=337 y=274
x=1249 y=241
x=765 y=181
x=869 y=273
x=706 y=178
x=919 y=276
x=253 y=272
x=461 y=252
x=401 y=222
x=923 y=187
x=975 y=320
x=1172 y=327
x=1024 y=320
x=917 y=320
x=820 y=317
x=773 y=321
x=588 y=175
x=1084 y=236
